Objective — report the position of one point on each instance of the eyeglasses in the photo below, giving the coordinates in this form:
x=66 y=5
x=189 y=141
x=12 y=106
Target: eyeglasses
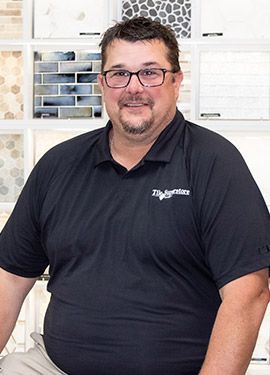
x=153 y=77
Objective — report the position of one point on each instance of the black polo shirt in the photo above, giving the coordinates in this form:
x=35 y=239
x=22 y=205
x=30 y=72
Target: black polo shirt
x=137 y=257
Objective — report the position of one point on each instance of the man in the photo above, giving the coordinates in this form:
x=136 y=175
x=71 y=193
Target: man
x=156 y=235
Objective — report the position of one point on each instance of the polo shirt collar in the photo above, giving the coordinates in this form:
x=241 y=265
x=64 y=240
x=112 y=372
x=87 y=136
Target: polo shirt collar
x=162 y=149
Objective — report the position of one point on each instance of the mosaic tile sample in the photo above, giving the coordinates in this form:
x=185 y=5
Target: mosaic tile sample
x=234 y=85
x=46 y=139
x=255 y=148
x=69 y=19
x=11 y=167
x=66 y=84
x=4 y=215
x=176 y=13
x=11 y=96
x=235 y=19
x=184 y=99
x=11 y=21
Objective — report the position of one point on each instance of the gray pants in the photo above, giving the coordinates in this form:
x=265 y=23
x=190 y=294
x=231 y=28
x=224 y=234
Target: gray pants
x=34 y=362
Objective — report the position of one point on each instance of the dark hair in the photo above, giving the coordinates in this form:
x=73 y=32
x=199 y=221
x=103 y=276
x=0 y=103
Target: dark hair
x=141 y=28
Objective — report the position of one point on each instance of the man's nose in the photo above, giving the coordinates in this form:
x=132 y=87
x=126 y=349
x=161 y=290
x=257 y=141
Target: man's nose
x=134 y=84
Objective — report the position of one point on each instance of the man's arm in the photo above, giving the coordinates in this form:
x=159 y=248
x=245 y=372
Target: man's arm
x=235 y=331
x=13 y=290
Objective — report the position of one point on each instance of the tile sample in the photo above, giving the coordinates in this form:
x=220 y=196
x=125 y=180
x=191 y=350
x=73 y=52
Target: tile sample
x=4 y=215
x=69 y=19
x=46 y=139
x=234 y=85
x=66 y=84
x=235 y=19
x=11 y=167
x=176 y=13
x=184 y=99
x=11 y=96
x=255 y=147
x=11 y=20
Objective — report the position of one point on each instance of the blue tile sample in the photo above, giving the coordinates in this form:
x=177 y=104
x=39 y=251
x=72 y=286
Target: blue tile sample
x=66 y=84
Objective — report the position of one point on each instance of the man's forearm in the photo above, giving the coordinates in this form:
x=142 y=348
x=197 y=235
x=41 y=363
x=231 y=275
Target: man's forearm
x=13 y=290
x=234 y=336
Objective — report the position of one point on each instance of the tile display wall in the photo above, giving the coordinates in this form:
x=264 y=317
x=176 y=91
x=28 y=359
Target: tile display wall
x=176 y=13
x=184 y=99
x=69 y=19
x=4 y=215
x=235 y=19
x=11 y=166
x=234 y=85
x=255 y=149
x=46 y=139
x=11 y=22
x=66 y=84
x=11 y=96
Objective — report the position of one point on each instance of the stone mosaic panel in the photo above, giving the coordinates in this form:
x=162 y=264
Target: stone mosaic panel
x=235 y=19
x=69 y=19
x=46 y=139
x=11 y=96
x=176 y=13
x=11 y=167
x=66 y=84
x=234 y=85
x=11 y=21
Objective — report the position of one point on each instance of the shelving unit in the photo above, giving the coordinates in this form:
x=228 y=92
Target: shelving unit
x=250 y=134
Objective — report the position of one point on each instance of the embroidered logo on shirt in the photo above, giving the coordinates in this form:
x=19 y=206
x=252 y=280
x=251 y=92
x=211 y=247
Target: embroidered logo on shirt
x=166 y=194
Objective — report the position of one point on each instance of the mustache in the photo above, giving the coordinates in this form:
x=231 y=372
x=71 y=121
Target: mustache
x=132 y=99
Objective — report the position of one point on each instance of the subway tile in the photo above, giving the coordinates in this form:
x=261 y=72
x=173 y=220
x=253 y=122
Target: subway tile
x=37 y=78
x=38 y=101
x=89 y=100
x=86 y=55
x=75 y=112
x=75 y=67
x=41 y=112
x=87 y=78
x=55 y=56
x=58 y=101
x=46 y=89
x=59 y=78
x=97 y=111
x=75 y=89
x=46 y=67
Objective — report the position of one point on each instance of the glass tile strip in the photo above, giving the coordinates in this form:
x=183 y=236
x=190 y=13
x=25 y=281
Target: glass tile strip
x=176 y=13
x=11 y=95
x=11 y=19
x=234 y=85
x=11 y=167
x=66 y=84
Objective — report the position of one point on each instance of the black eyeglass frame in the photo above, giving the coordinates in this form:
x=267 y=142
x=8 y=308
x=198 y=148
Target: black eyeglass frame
x=163 y=70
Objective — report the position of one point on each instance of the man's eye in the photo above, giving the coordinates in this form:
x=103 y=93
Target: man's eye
x=149 y=72
x=120 y=73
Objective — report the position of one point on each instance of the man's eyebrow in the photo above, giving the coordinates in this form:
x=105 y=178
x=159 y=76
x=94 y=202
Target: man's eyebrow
x=123 y=66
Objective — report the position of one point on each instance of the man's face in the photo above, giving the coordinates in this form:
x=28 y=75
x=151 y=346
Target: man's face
x=136 y=110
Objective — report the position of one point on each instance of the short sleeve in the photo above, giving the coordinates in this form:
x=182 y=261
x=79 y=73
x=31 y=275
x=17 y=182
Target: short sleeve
x=234 y=220
x=21 y=250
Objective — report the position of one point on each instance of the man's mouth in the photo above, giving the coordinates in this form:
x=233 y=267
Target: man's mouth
x=134 y=104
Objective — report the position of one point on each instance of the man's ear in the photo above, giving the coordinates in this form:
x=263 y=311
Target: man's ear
x=100 y=80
